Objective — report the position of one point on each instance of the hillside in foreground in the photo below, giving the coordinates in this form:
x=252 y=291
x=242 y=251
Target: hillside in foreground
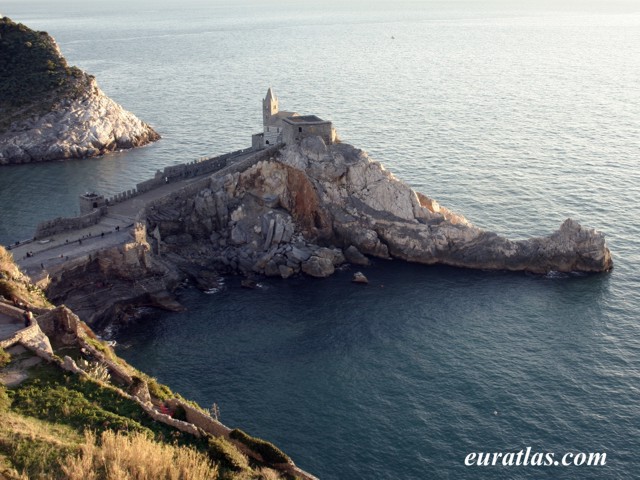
x=71 y=409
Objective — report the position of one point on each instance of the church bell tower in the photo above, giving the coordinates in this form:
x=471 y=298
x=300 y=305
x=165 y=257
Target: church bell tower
x=269 y=107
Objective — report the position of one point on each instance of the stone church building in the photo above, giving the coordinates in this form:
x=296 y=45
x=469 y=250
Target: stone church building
x=289 y=127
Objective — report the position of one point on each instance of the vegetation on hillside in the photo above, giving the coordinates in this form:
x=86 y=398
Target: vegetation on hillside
x=56 y=424
x=34 y=76
x=135 y=456
x=15 y=286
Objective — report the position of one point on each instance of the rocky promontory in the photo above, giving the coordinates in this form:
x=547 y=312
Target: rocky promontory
x=302 y=209
x=51 y=111
x=312 y=204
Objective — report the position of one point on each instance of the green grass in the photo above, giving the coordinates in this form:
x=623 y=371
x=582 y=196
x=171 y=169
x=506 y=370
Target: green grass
x=56 y=396
x=228 y=456
x=36 y=458
x=5 y=358
x=269 y=452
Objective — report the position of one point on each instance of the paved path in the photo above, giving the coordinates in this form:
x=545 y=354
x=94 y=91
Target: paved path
x=51 y=252
x=9 y=326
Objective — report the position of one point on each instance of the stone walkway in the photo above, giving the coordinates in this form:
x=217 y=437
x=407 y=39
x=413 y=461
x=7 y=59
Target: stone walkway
x=53 y=251
x=9 y=326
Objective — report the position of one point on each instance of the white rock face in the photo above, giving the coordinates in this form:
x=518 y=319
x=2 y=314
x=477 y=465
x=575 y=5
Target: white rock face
x=275 y=217
x=90 y=125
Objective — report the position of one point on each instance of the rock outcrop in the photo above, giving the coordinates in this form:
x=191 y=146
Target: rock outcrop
x=311 y=205
x=109 y=285
x=50 y=111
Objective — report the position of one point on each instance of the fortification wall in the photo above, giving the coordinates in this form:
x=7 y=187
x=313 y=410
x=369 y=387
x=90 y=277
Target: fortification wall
x=64 y=224
x=196 y=168
x=170 y=174
x=194 y=188
x=10 y=311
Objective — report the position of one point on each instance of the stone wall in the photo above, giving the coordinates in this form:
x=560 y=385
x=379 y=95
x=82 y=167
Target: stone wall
x=194 y=188
x=200 y=419
x=170 y=174
x=10 y=311
x=34 y=339
x=205 y=423
x=175 y=173
x=295 y=131
x=64 y=224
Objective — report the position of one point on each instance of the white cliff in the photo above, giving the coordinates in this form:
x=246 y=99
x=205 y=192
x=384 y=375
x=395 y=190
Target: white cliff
x=87 y=126
x=50 y=111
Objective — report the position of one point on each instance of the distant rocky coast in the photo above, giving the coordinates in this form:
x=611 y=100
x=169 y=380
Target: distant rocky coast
x=50 y=111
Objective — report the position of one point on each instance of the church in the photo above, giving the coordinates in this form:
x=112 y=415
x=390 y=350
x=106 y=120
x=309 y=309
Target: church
x=288 y=127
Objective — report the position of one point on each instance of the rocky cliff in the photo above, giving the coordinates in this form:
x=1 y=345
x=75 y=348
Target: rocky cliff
x=58 y=380
x=311 y=207
x=50 y=111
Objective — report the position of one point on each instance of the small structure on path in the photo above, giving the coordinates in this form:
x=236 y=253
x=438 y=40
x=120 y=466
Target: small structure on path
x=91 y=201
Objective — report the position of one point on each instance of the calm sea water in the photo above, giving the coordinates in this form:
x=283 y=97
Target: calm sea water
x=516 y=116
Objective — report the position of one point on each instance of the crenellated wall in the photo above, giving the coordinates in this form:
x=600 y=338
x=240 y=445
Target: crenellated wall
x=64 y=224
x=170 y=174
x=194 y=188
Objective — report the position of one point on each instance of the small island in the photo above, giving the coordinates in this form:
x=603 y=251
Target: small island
x=52 y=111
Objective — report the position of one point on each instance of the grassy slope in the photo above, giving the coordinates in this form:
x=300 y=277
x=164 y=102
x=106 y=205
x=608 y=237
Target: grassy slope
x=46 y=417
x=14 y=285
x=33 y=74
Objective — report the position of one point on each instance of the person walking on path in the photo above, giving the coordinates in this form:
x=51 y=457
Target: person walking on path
x=28 y=317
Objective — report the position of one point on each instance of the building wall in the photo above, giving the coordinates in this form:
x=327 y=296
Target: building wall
x=272 y=136
x=297 y=131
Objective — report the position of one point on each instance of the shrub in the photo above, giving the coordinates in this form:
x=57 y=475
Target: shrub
x=229 y=457
x=95 y=370
x=159 y=391
x=269 y=452
x=33 y=73
x=180 y=413
x=5 y=401
x=5 y=358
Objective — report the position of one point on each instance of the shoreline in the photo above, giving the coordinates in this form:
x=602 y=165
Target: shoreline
x=281 y=211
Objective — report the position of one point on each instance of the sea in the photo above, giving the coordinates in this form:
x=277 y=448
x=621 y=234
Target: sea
x=517 y=114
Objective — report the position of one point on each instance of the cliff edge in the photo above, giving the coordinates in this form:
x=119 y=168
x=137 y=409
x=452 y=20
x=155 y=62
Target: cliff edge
x=312 y=206
x=51 y=111
x=65 y=394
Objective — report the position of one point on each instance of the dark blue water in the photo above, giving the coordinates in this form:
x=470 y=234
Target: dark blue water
x=515 y=114
x=401 y=378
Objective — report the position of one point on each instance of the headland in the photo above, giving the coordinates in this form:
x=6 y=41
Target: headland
x=303 y=206
x=52 y=111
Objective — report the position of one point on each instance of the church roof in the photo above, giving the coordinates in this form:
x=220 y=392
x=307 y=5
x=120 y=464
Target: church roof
x=270 y=94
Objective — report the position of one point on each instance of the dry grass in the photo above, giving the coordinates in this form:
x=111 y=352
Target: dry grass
x=30 y=448
x=135 y=457
x=268 y=474
x=14 y=285
x=14 y=424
